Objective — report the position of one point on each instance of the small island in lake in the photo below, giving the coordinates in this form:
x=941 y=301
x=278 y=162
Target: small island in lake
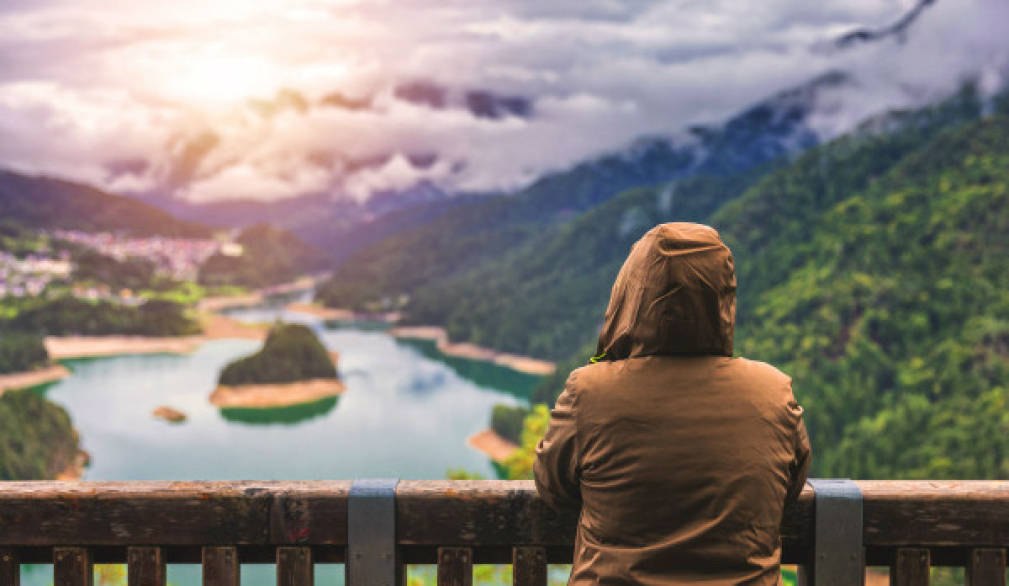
x=169 y=414
x=293 y=367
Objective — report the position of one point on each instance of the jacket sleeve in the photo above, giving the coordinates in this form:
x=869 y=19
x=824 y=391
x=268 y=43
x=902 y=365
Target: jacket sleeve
x=556 y=468
x=799 y=468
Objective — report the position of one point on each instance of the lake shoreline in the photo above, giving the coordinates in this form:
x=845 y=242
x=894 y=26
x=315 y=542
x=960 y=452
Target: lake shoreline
x=215 y=326
x=437 y=334
x=30 y=378
x=493 y=445
x=339 y=314
x=470 y=351
x=273 y=395
x=75 y=469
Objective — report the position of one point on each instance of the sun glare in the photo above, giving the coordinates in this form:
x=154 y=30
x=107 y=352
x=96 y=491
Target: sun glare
x=217 y=81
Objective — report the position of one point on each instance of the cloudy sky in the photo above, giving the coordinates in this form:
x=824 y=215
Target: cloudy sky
x=212 y=99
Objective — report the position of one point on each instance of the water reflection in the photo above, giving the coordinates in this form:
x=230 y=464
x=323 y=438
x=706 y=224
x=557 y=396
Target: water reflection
x=513 y=382
x=289 y=415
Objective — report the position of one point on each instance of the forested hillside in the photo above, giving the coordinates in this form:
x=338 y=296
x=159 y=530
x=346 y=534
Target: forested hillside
x=887 y=301
x=291 y=353
x=270 y=256
x=44 y=202
x=37 y=440
x=540 y=288
x=875 y=271
x=545 y=298
x=457 y=245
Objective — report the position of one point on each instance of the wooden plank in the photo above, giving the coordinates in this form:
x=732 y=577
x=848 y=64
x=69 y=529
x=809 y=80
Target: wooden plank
x=455 y=566
x=490 y=514
x=948 y=513
x=294 y=566
x=10 y=568
x=932 y=514
x=145 y=566
x=986 y=567
x=173 y=513
x=529 y=566
x=220 y=566
x=72 y=567
x=910 y=567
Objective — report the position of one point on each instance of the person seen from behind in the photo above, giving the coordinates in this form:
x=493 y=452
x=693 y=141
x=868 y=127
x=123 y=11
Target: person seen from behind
x=679 y=457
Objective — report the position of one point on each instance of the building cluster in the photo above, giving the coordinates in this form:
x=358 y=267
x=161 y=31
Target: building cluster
x=29 y=276
x=179 y=258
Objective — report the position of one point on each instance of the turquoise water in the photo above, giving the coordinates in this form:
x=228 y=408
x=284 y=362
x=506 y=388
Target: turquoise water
x=406 y=413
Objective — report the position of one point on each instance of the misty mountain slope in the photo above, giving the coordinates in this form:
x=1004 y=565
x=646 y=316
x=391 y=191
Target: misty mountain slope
x=340 y=226
x=43 y=202
x=547 y=297
x=771 y=225
x=560 y=280
x=887 y=303
x=824 y=176
x=270 y=256
x=464 y=238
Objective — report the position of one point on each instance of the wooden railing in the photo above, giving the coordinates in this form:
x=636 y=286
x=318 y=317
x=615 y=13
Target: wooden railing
x=908 y=526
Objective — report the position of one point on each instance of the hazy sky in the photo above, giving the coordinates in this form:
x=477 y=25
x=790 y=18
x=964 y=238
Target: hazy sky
x=260 y=99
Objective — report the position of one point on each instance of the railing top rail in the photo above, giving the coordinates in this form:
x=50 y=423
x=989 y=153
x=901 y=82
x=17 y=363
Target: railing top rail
x=435 y=512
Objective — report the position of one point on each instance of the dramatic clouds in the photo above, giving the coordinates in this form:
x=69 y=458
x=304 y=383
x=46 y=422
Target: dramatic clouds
x=257 y=99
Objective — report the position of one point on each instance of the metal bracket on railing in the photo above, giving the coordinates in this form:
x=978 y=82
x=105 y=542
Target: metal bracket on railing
x=838 y=551
x=371 y=533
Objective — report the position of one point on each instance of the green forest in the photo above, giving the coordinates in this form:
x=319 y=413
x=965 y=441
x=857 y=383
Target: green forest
x=65 y=315
x=271 y=256
x=37 y=440
x=291 y=353
x=20 y=352
x=874 y=270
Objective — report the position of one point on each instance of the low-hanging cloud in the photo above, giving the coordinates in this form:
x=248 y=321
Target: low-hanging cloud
x=268 y=100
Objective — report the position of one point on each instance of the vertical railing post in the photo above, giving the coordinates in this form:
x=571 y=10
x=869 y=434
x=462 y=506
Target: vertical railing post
x=838 y=551
x=10 y=568
x=372 y=554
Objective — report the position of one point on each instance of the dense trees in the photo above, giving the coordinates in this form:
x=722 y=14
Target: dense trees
x=19 y=352
x=885 y=300
x=71 y=316
x=134 y=273
x=270 y=256
x=37 y=441
x=507 y=421
x=291 y=353
x=888 y=305
x=874 y=271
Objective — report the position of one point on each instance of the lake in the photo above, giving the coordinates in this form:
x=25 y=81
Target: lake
x=407 y=412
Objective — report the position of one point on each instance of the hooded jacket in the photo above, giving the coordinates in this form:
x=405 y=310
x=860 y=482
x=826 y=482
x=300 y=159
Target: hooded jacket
x=680 y=457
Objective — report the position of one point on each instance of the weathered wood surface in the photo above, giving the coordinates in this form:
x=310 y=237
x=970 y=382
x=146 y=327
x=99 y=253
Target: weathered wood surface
x=10 y=568
x=455 y=566
x=72 y=567
x=935 y=513
x=220 y=566
x=910 y=567
x=173 y=513
x=529 y=566
x=491 y=515
x=294 y=566
x=145 y=566
x=986 y=567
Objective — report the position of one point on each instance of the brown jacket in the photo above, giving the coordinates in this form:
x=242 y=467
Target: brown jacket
x=680 y=457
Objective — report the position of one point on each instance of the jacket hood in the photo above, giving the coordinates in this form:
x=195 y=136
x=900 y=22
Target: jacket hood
x=675 y=295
